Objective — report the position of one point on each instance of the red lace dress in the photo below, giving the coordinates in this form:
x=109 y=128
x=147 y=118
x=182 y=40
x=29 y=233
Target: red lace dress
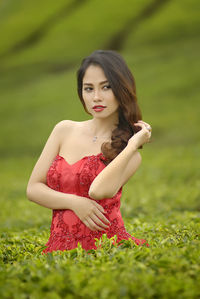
x=66 y=228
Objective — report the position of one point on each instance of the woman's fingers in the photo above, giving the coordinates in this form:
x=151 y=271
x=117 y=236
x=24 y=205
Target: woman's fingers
x=141 y=121
x=93 y=225
x=99 y=212
x=146 y=124
x=101 y=209
x=94 y=218
x=101 y=216
x=98 y=221
x=138 y=124
x=86 y=223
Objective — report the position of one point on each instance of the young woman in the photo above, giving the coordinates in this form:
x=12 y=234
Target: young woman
x=84 y=165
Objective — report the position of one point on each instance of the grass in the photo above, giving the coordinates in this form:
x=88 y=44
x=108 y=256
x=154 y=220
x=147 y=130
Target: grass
x=160 y=203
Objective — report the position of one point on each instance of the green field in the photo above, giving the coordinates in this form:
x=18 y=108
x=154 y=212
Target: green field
x=41 y=48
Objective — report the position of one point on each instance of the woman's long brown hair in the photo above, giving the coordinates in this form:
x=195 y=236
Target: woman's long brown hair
x=123 y=86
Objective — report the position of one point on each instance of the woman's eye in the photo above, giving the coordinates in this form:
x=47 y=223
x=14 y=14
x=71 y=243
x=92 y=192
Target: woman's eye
x=106 y=87
x=88 y=88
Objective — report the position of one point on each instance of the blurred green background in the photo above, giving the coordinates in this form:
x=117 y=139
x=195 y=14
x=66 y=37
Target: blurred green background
x=42 y=44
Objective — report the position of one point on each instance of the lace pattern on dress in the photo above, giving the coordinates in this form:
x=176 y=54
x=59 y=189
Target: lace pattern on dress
x=88 y=174
x=53 y=175
x=63 y=237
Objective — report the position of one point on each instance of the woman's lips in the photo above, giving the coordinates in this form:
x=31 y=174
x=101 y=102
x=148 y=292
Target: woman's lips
x=98 y=108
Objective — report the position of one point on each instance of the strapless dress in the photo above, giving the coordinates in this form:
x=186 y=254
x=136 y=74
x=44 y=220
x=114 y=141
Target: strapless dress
x=66 y=228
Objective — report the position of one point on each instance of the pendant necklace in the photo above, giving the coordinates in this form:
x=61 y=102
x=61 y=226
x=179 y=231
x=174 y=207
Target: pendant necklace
x=94 y=139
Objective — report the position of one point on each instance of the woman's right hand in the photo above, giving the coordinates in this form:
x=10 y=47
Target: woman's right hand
x=91 y=214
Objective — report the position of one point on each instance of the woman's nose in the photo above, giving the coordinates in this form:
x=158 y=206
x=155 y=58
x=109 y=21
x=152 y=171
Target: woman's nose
x=97 y=96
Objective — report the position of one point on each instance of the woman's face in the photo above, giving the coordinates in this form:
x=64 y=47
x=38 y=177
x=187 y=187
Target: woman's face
x=97 y=94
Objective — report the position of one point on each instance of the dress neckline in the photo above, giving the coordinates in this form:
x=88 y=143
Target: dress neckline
x=99 y=154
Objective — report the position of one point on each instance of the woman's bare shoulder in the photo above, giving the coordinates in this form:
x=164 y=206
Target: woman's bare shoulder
x=66 y=126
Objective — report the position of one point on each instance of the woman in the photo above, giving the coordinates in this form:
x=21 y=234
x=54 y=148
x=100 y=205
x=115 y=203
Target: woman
x=84 y=165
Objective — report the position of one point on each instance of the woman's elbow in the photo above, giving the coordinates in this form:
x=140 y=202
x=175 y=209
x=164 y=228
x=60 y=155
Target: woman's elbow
x=94 y=195
x=98 y=195
x=28 y=193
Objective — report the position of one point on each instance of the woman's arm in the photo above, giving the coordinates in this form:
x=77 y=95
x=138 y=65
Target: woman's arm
x=37 y=190
x=90 y=212
x=46 y=197
x=118 y=172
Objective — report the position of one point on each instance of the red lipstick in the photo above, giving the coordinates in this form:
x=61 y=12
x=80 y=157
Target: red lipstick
x=98 y=108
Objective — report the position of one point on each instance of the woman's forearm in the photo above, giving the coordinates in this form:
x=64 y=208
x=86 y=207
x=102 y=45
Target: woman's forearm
x=108 y=181
x=41 y=194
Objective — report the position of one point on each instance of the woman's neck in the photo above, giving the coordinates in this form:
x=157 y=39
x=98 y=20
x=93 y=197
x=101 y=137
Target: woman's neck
x=102 y=126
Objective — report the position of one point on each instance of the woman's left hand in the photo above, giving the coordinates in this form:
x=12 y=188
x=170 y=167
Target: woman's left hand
x=143 y=136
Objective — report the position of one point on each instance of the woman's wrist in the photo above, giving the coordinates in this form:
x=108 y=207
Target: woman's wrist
x=74 y=201
x=129 y=150
x=132 y=145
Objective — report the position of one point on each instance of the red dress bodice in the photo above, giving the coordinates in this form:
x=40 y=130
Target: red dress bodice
x=66 y=228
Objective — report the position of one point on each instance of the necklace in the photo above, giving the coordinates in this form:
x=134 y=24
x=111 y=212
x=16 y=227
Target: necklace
x=94 y=139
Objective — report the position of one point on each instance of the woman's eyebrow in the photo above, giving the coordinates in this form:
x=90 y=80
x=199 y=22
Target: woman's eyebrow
x=103 y=82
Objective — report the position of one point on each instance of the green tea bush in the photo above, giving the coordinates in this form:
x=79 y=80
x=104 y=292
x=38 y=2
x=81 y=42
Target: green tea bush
x=169 y=268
